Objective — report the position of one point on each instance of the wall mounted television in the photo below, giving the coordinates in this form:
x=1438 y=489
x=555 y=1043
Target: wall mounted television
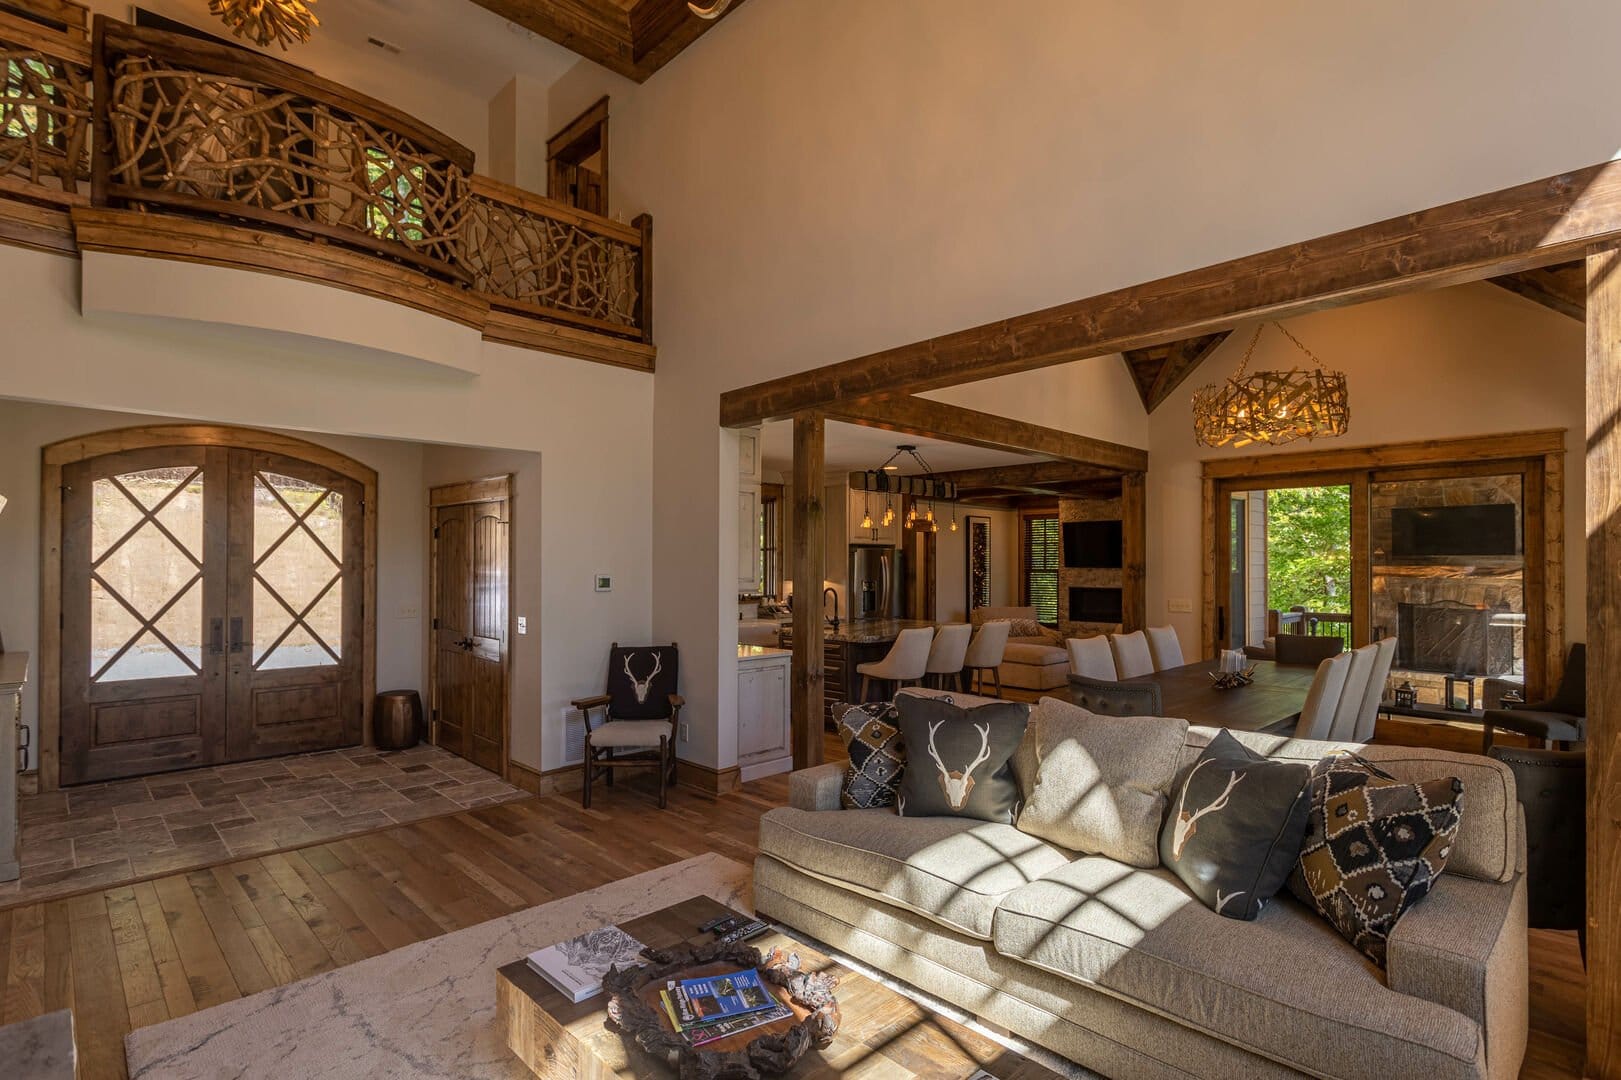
x=1434 y=531
x=1091 y=544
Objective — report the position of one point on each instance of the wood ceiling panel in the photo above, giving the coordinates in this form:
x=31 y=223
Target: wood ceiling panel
x=631 y=37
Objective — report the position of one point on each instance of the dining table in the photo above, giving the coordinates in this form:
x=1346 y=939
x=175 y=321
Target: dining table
x=1271 y=703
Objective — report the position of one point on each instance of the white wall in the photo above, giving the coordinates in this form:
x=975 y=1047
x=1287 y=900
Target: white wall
x=831 y=177
x=1472 y=360
x=591 y=424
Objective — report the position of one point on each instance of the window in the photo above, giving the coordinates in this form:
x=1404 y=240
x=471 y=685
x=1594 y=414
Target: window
x=770 y=530
x=1043 y=555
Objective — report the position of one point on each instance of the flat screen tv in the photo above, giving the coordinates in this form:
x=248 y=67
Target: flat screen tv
x=1431 y=531
x=1093 y=544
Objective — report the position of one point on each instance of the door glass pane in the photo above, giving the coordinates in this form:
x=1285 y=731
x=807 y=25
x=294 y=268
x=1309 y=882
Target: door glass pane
x=1449 y=579
x=146 y=541
x=298 y=577
x=1291 y=558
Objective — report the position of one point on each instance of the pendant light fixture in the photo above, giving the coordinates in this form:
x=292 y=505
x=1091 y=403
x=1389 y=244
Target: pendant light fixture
x=1273 y=407
x=925 y=489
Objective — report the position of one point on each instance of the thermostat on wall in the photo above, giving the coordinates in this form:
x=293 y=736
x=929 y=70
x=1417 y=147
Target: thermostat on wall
x=604 y=583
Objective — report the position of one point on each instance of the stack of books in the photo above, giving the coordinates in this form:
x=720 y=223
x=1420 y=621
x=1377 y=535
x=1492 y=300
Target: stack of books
x=704 y=1010
x=576 y=966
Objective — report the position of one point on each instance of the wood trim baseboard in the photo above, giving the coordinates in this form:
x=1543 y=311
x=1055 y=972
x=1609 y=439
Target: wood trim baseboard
x=709 y=780
x=544 y=781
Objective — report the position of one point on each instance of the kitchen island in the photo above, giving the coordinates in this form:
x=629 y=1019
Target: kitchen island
x=845 y=646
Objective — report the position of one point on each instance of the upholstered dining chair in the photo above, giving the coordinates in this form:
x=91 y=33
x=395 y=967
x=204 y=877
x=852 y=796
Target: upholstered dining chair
x=985 y=653
x=1552 y=788
x=1131 y=655
x=639 y=712
x=1164 y=647
x=1323 y=699
x=1091 y=658
x=1305 y=648
x=1114 y=698
x=1357 y=677
x=948 y=652
x=1368 y=716
x=906 y=662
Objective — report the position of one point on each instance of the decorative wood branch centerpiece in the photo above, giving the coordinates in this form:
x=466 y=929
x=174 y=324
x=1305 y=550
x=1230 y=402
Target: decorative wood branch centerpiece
x=635 y=1011
x=1227 y=680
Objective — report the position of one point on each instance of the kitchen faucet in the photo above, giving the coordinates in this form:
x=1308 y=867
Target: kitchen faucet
x=830 y=590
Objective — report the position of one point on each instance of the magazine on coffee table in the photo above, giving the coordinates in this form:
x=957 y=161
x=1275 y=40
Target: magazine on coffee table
x=576 y=966
x=719 y=997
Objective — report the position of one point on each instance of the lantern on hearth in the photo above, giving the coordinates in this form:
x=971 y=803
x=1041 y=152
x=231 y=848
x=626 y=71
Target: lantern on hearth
x=1406 y=696
x=1460 y=693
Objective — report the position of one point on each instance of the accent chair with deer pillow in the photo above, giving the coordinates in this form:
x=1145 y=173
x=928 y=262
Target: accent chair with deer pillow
x=958 y=761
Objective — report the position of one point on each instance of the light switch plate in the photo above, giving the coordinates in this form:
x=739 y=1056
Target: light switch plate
x=523 y=625
x=410 y=611
x=1180 y=604
x=604 y=583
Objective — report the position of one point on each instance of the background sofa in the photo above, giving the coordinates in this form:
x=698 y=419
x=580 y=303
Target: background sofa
x=1032 y=662
x=1124 y=971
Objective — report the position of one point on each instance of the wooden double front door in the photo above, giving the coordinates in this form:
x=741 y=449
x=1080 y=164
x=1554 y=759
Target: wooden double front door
x=212 y=609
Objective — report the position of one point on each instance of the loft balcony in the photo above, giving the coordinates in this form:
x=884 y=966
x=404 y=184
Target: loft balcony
x=141 y=142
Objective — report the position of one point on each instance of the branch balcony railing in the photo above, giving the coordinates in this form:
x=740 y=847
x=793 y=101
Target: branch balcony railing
x=140 y=119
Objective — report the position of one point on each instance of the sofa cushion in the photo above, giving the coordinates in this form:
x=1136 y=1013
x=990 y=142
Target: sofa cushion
x=1101 y=781
x=1235 y=825
x=1373 y=847
x=957 y=758
x=1036 y=655
x=1284 y=985
x=872 y=740
x=952 y=870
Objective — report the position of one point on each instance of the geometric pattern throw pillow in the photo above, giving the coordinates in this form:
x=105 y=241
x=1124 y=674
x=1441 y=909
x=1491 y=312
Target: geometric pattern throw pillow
x=877 y=756
x=1374 y=846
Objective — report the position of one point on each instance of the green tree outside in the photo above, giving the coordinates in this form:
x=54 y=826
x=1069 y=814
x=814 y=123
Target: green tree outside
x=1308 y=552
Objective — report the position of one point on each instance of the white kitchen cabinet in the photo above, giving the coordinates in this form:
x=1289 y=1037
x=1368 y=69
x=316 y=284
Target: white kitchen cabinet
x=764 y=724
x=858 y=503
x=748 y=456
x=748 y=511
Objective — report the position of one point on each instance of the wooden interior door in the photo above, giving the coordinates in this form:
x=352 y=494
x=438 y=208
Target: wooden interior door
x=470 y=595
x=295 y=607
x=144 y=580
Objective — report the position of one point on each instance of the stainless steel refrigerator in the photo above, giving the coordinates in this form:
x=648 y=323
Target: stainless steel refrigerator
x=876 y=582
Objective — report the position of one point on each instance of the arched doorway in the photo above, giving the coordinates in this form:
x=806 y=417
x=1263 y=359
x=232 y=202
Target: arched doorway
x=207 y=599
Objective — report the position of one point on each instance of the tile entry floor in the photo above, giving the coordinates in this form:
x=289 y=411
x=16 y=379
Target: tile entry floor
x=100 y=835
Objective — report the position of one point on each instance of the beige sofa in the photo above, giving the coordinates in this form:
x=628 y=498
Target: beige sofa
x=1123 y=971
x=1035 y=662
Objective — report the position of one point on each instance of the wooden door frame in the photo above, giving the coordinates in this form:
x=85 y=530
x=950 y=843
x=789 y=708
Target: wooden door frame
x=463 y=493
x=54 y=456
x=1540 y=455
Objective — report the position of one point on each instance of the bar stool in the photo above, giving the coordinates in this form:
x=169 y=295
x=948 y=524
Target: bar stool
x=907 y=660
x=985 y=654
x=948 y=653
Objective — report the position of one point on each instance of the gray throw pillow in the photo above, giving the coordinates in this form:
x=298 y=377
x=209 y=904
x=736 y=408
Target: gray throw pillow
x=957 y=758
x=1101 y=781
x=1235 y=827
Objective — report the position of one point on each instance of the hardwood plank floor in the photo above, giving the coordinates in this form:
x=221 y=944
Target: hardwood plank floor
x=139 y=954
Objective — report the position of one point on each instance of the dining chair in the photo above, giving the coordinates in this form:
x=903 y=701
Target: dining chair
x=1131 y=655
x=1368 y=718
x=1323 y=699
x=1091 y=658
x=985 y=654
x=1305 y=648
x=1164 y=647
x=1552 y=789
x=1357 y=677
x=1560 y=720
x=947 y=654
x=906 y=661
x=1115 y=698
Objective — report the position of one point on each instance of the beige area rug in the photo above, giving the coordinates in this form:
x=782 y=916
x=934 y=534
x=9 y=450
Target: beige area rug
x=427 y=1011
x=98 y=836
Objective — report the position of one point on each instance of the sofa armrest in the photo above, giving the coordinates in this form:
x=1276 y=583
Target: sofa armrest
x=816 y=788
x=1464 y=946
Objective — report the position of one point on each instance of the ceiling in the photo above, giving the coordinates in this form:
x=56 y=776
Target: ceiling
x=849 y=448
x=632 y=37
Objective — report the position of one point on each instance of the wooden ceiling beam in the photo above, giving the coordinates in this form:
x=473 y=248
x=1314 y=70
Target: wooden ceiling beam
x=1520 y=228
x=929 y=419
x=1041 y=475
x=633 y=42
x=1560 y=288
x=1159 y=370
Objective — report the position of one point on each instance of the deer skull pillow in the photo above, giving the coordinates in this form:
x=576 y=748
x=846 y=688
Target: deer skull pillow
x=1101 y=781
x=957 y=759
x=1235 y=825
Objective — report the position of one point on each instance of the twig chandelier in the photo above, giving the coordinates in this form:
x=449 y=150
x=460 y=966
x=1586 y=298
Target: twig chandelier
x=1273 y=407
x=264 y=21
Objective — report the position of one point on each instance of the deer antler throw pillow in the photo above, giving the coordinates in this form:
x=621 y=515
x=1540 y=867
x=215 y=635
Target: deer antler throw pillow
x=957 y=759
x=1235 y=825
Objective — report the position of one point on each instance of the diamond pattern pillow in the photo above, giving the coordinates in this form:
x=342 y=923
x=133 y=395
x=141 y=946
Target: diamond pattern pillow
x=877 y=756
x=1373 y=847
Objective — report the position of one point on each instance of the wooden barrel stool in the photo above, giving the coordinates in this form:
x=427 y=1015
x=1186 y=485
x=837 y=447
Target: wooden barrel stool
x=397 y=720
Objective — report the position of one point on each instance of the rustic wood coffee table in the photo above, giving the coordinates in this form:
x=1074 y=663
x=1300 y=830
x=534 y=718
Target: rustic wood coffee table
x=881 y=1033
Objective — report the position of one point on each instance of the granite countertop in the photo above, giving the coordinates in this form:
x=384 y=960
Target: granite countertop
x=13 y=670
x=758 y=652
x=871 y=631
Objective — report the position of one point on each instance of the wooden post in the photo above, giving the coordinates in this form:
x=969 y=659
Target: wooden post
x=810 y=552
x=644 y=298
x=1603 y=664
x=1134 y=529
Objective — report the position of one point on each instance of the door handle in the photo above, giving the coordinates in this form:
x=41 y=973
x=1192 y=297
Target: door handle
x=236 y=634
x=216 y=636
x=466 y=643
